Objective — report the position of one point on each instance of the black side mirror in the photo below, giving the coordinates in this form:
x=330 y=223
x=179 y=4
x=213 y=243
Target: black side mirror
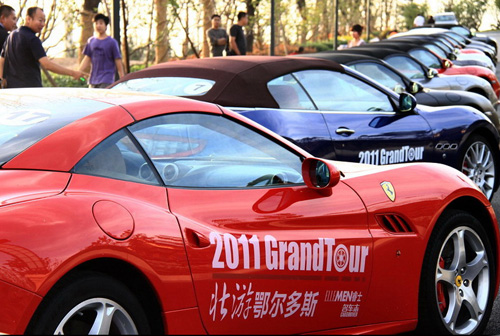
x=407 y=102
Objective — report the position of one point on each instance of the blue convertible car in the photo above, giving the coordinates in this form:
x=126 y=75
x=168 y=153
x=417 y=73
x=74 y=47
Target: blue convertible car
x=333 y=111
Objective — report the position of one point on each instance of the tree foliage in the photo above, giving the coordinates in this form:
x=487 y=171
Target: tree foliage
x=410 y=11
x=161 y=30
x=469 y=12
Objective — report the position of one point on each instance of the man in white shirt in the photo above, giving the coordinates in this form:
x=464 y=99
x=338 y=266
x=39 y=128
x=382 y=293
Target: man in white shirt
x=419 y=21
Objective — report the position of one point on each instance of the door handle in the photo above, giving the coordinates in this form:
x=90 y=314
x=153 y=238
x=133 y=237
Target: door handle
x=344 y=131
x=196 y=239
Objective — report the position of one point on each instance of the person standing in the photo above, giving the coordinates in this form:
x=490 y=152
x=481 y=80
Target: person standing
x=419 y=20
x=218 y=37
x=8 y=22
x=356 y=31
x=102 y=54
x=23 y=54
x=238 y=41
x=431 y=21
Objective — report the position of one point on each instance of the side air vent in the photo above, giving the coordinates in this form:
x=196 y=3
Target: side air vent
x=394 y=223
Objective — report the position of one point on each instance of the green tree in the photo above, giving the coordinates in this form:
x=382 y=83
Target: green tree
x=410 y=11
x=470 y=12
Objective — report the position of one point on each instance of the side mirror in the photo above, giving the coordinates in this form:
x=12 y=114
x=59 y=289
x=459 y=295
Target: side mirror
x=399 y=89
x=432 y=73
x=406 y=102
x=452 y=56
x=415 y=87
x=320 y=174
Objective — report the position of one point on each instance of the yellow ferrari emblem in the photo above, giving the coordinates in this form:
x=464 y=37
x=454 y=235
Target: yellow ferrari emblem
x=389 y=190
x=458 y=281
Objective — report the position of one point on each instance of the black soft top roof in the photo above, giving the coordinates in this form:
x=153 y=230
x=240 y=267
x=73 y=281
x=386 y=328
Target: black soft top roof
x=401 y=45
x=341 y=57
x=239 y=80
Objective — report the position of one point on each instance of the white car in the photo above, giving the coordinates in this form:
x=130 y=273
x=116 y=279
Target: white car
x=445 y=18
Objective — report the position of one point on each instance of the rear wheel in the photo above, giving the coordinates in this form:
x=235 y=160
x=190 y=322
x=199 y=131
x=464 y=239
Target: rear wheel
x=478 y=162
x=92 y=304
x=458 y=278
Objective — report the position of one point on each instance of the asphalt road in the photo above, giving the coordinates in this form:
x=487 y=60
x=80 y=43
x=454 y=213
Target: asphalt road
x=493 y=327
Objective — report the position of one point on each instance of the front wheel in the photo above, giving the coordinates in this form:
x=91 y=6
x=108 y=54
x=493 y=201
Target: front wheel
x=457 y=283
x=90 y=304
x=478 y=162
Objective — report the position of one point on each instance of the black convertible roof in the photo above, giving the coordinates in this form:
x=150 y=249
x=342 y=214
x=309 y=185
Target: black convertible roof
x=341 y=57
x=239 y=80
x=381 y=52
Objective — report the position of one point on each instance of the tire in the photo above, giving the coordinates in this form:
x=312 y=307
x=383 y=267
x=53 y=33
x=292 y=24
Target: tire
x=478 y=161
x=457 y=283
x=76 y=305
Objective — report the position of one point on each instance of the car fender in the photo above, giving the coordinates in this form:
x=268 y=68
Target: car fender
x=455 y=97
x=455 y=131
x=66 y=233
x=391 y=192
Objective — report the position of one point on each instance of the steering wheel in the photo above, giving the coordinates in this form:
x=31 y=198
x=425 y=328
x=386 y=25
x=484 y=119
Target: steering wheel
x=270 y=179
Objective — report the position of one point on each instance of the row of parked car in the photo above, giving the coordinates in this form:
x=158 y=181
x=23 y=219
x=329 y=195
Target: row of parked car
x=405 y=99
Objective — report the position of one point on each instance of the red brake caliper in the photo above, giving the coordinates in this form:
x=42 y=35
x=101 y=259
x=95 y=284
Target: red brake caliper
x=440 y=290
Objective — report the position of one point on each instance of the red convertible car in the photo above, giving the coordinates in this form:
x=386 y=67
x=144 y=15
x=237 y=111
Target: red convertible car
x=128 y=213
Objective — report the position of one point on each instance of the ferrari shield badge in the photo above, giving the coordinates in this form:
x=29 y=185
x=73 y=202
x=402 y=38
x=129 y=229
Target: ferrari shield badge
x=389 y=190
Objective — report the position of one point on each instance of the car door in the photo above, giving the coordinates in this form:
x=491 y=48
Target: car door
x=267 y=254
x=363 y=122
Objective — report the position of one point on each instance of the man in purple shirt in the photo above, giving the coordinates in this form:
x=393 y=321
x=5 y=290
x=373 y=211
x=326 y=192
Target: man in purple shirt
x=102 y=53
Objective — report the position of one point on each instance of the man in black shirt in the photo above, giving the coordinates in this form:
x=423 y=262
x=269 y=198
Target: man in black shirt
x=238 y=42
x=8 y=20
x=217 y=37
x=23 y=54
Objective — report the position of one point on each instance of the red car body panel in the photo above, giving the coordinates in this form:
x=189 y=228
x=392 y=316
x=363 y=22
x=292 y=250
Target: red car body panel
x=213 y=257
x=476 y=71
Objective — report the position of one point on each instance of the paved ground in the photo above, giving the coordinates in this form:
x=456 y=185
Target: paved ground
x=493 y=327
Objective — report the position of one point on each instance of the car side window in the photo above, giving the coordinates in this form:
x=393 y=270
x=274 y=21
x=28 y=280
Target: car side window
x=117 y=157
x=211 y=151
x=426 y=57
x=289 y=94
x=336 y=91
x=461 y=30
x=381 y=74
x=436 y=49
x=407 y=66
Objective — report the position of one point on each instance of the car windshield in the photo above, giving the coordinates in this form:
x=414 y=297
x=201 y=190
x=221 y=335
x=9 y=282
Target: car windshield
x=457 y=36
x=407 y=66
x=381 y=74
x=461 y=30
x=173 y=86
x=336 y=91
x=426 y=57
x=444 y=17
x=444 y=46
x=448 y=42
x=26 y=120
x=436 y=49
